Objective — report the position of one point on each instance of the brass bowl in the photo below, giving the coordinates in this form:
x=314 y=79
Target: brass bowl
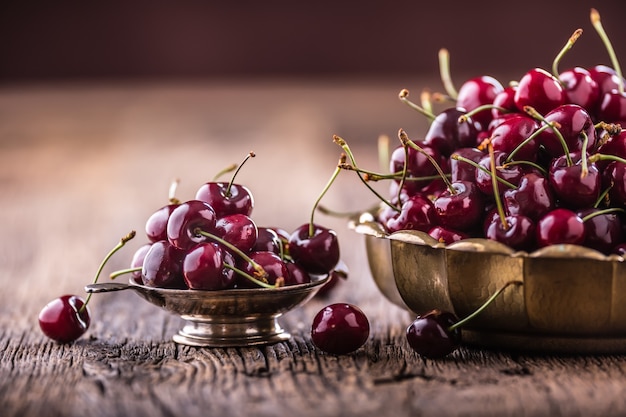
x=572 y=299
x=225 y=318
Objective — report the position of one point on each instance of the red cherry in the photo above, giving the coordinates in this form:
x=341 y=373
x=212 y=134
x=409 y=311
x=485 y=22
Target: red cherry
x=237 y=229
x=340 y=329
x=186 y=219
x=162 y=266
x=540 y=90
x=461 y=209
x=429 y=334
x=580 y=87
x=560 y=226
x=63 y=319
x=476 y=92
x=317 y=253
x=226 y=198
x=417 y=213
x=205 y=267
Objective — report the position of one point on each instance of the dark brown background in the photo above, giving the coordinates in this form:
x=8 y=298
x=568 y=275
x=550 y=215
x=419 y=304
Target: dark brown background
x=189 y=39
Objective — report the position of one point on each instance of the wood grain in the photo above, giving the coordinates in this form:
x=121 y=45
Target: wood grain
x=80 y=166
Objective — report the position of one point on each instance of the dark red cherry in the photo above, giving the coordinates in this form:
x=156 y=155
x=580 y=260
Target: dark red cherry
x=156 y=225
x=570 y=186
x=614 y=176
x=573 y=121
x=430 y=336
x=204 y=267
x=560 y=226
x=614 y=145
x=268 y=240
x=446 y=133
x=510 y=173
x=603 y=230
x=316 y=252
x=340 y=329
x=612 y=107
x=519 y=232
x=462 y=209
x=273 y=265
x=63 y=319
x=226 y=198
x=606 y=78
x=417 y=165
x=461 y=170
x=297 y=275
x=137 y=260
x=417 y=213
x=505 y=99
x=445 y=235
x=476 y=92
x=539 y=89
x=186 y=219
x=511 y=133
x=533 y=198
x=162 y=266
x=580 y=87
x=238 y=230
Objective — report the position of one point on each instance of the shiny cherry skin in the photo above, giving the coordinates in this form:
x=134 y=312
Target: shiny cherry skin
x=238 y=230
x=340 y=328
x=317 y=253
x=571 y=188
x=162 y=266
x=612 y=107
x=511 y=133
x=606 y=78
x=416 y=213
x=518 y=234
x=603 y=231
x=445 y=235
x=273 y=265
x=156 y=225
x=476 y=92
x=505 y=99
x=417 y=164
x=268 y=240
x=461 y=170
x=539 y=89
x=560 y=226
x=297 y=275
x=446 y=134
x=615 y=145
x=533 y=198
x=580 y=87
x=573 y=121
x=237 y=199
x=186 y=219
x=137 y=260
x=430 y=336
x=62 y=319
x=484 y=180
x=461 y=210
x=614 y=176
x=204 y=267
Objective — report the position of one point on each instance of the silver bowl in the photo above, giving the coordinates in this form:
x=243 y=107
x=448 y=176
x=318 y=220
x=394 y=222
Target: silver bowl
x=225 y=318
x=572 y=299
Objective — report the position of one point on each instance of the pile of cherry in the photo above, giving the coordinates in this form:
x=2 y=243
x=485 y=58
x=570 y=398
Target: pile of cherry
x=535 y=163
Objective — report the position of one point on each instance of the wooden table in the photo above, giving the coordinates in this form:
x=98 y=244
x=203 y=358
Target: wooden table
x=83 y=164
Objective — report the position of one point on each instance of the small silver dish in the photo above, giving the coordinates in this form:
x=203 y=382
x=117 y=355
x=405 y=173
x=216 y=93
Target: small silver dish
x=572 y=299
x=225 y=318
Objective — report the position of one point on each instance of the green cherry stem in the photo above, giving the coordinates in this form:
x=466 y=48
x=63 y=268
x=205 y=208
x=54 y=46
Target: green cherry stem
x=120 y=272
x=482 y=168
x=555 y=128
x=172 y=192
x=597 y=24
x=117 y=247
x=463 y=118
x=226 y=170
x=258 y=268
x=462 y=322
x=404 y=138
x=529 y=163
x=583 y=157
x=523 y=143
x=342 y=160
x=279 y=281
x=494 y=184
x=444 y=72
x=603 y=211
x=344 y=145
x=570 y=42
x=232 y=179
x=605 y=157
x=404 y=97
x=602 y=196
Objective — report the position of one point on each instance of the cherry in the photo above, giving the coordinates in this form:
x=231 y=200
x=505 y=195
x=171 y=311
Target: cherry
x=315 y=248
x=533 y=197
x=162 y=266
x=614 y=176
x=505 y=99
x=477 y=92
x=340 y=328
x=511 y=134
x=605 y=77
x=417 y=213
x=603 y=228
x=268 y=240
x=136 y=263
x=272 y=264
x=462 y=171
x=560 y=226
x=430 y=335
x=204 y=267
x=65 y=319
x=446 y=133
x=614 y=144
x=156 y=225
x=577 y=185
x=185 y=219
x=575 y=127
x=445 y=235
x=580 y=87
x=238 y=229
x=460 y=208
x=227 y=197
x=539 y=89
x=516 y=231
x=511 y=173
x=296 y=274
x=418 y=163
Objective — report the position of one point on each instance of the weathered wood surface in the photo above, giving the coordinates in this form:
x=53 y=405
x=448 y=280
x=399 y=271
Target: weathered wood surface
x=81 y=166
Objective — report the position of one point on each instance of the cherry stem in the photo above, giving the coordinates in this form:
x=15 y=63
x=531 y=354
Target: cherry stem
x=117 y=273
x=555 y=128
x=597 y=24
x=603 y=211
x=258 y=268
x=406 y=141
x=463 y=118
x=523 y=143
x=444 y=72
x=344 y=145
x=482 y=307
x=482 y=168
x=426 y=101
x=117 y=247
x=172 y=192
x=375 y=176
x=602 y=196
x=232 y=180
x=605 y=157
x=226 y=170
x=280 y=281
x=494 y=184
x=583 y=157
x=530 y=163
x=404 y=172
x=342 y=160
x=383 y=151
x=404 y=97
x=570 y=42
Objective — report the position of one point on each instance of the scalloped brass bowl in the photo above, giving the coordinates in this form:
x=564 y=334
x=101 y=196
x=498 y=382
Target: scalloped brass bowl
x=572 y=299
x=225 y=318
